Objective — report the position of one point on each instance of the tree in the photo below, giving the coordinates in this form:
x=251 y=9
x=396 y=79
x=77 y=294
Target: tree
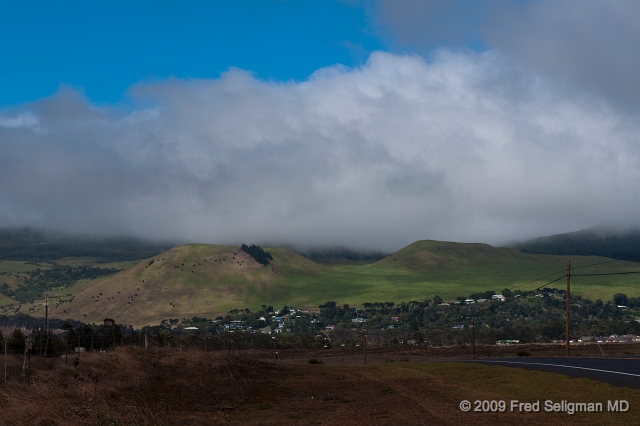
x=437 y=299
x=258 y=254
x=16 y=342
x=328 y=310
x=620 y=299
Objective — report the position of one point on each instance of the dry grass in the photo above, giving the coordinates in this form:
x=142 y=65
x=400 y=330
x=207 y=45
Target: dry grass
x=128 y=386
x=170 y=387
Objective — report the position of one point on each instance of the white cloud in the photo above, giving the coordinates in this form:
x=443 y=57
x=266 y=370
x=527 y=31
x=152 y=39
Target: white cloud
x=467 y=148
x=585 y=46
x=21 y=120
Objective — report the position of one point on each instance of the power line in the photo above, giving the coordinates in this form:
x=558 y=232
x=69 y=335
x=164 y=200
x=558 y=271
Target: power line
x=607 y=261
x=610 y=273
x=495 y=305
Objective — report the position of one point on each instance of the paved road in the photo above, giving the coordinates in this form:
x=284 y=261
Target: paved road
x=614 y=370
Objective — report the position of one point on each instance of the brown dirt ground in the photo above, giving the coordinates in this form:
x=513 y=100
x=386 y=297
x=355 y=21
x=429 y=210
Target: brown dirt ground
x=398 y=386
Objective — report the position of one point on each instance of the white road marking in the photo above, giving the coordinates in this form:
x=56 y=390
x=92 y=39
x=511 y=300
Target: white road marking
x=565 y=366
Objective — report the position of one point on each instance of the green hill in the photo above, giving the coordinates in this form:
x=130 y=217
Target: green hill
x=210 y=280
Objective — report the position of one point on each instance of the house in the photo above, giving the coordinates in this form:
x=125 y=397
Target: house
x=360 y=320
x=395 y=319
x=330 y=327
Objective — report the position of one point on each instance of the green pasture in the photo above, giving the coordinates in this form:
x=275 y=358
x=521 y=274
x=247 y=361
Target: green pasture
x=16 y=266
x=209 y=280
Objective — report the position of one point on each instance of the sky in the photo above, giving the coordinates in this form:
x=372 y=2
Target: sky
x=364 y=124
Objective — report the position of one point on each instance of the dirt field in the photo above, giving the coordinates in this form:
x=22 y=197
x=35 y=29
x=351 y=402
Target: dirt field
x=398 y=386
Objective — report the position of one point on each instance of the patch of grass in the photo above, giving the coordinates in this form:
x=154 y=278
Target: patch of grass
x=315 y=361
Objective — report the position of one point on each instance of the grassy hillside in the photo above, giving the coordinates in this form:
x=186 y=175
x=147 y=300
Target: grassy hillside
x=184 y=281
x=209 y=280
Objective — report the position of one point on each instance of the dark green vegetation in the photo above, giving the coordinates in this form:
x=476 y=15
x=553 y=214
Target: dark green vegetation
x=76 y=334
x=37 y=281
x=259 y=255
x=31 y=245
x=588 y=242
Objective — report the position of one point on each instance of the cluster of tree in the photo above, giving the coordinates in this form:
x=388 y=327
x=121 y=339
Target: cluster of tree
x=623 y=300
x=41 y=280
x=258 y=254
x=37 y=246
x=76 y=334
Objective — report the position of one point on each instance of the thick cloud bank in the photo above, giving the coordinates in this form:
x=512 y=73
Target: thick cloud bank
x=465 y=148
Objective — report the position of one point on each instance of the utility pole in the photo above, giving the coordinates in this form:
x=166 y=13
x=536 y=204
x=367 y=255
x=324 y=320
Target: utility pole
x=26 y=364
x=568 y=303
x=275 y=351
x=365 y=346
x=473 y=326
x=46 y=324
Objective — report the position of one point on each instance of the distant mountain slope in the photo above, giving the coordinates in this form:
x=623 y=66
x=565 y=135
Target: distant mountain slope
x=33 y=245
x=189 y=280
x=428 y=254
x=588 y=242
x=209 y=280
x=340 y=255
